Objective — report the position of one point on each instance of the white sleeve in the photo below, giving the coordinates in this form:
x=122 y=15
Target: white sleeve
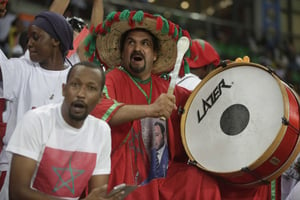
x=295 y=192
x=103 y=164
x=26 y=140
x=14 y=74
x=2 y=56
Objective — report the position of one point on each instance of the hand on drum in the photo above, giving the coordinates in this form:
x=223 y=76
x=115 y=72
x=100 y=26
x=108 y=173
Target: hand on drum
x=163 y=106
x=244 y=59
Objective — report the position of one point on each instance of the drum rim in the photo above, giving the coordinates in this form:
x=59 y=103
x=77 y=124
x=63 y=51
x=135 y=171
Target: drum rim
x=272 y=147
x=287 y=162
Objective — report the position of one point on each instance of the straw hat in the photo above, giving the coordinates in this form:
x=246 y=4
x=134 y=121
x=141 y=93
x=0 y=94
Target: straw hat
x=108 y=34
x=202 y=54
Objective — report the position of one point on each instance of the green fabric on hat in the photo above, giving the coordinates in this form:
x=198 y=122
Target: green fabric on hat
x=186 y=67
x=175 y=33
x=88 y=41
x=165 y=28
x=93 y=46
x=111 y=16
x=90 y=44
x=124 y=15
x=108 y=29
x=179 y=32
x=202 y=43
x=138 y=16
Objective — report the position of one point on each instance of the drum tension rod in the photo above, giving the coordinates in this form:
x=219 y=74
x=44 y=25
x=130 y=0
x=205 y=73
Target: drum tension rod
x=180 y=110
x=224 y=63
x=248 y=171
x=270 y=70
x=287 y=123
x=192 y=162
x=291 y=86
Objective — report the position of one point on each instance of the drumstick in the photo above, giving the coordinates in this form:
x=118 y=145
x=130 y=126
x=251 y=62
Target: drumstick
x=182 y=46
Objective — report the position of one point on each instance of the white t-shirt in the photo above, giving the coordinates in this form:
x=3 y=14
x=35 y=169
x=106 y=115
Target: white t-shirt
x=2 y=56
x=70 y=61
x=295 y=193
x=26 y=85
x=290 y=178
x=189 y=81
x=63 y=153
x=74 y=58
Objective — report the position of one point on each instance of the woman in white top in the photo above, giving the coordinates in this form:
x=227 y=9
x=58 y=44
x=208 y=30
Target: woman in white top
x=30 y=83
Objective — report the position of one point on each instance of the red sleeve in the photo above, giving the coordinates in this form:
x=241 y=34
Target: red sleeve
x=106 y=108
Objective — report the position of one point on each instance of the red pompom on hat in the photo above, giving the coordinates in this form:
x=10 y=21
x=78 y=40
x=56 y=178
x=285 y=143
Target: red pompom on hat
x=202 y=53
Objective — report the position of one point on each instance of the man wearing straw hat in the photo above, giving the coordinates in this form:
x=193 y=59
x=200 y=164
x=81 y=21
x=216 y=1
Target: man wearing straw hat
x=137 y=48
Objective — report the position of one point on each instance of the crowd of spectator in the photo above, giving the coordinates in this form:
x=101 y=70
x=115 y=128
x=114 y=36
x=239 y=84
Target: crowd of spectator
x=281 y=56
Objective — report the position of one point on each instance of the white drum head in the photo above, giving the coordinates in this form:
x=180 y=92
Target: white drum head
x=232 y=118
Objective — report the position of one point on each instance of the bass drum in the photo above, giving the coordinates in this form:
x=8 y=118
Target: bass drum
x=242 y=123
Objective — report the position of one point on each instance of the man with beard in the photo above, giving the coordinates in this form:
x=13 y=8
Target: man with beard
x=59 y=148
x=139 y=47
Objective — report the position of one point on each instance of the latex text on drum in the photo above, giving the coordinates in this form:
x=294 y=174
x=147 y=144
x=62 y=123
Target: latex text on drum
x=211 y=99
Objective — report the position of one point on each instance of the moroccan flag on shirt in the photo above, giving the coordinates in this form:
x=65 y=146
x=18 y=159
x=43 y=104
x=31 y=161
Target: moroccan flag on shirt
x=64 y=173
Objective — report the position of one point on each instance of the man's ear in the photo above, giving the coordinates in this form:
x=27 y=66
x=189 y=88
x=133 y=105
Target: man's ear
x=101 y=97
x=155 y=56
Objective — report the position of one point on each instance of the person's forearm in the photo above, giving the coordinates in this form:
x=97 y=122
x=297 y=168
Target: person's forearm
x=30 y=194
x=59 y=6
x=161 y=108
x=97 y=13
x=96 y=19
x=129 y=113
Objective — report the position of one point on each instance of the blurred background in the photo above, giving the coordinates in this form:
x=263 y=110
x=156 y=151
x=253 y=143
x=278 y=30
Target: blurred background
x=268 y=31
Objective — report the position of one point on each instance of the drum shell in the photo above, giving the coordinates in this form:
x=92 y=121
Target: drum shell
x=277 y=156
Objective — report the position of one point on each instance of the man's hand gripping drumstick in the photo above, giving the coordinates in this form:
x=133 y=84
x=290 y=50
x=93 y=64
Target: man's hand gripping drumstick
x=182 y=46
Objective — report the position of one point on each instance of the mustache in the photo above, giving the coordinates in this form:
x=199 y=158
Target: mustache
x=79 y=103
x=136 y=53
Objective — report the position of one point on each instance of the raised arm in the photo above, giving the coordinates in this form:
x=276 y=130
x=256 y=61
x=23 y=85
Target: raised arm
x=96 y=18
x=97 y=13
x=162 y=107
x=59 y=6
